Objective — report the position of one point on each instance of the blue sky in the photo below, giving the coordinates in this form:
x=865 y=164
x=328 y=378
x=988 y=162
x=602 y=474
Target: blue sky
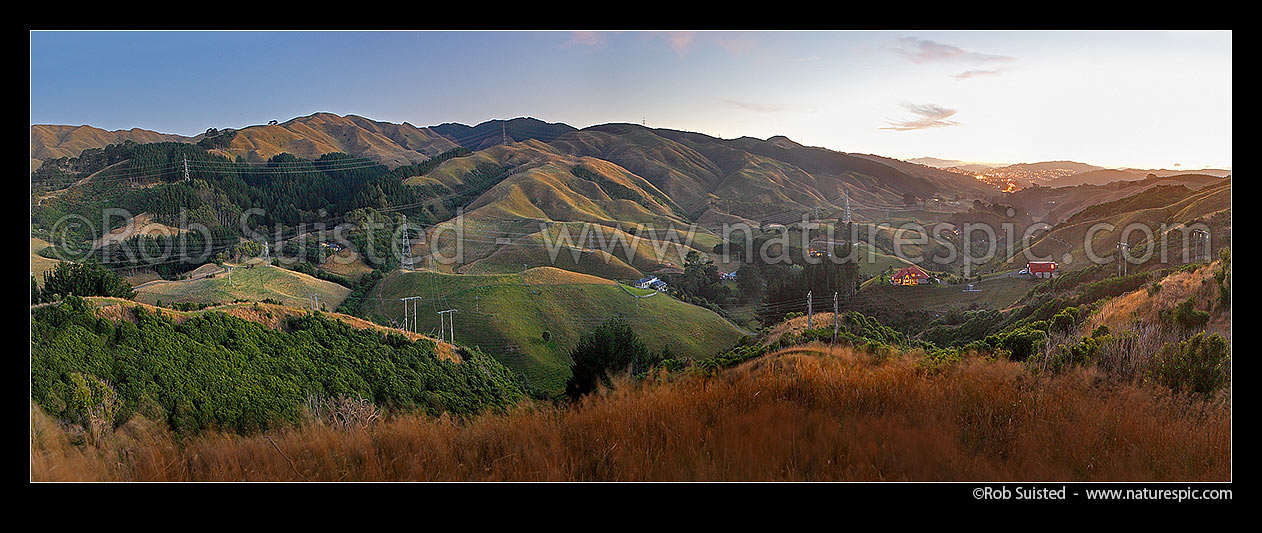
x=1142 y=99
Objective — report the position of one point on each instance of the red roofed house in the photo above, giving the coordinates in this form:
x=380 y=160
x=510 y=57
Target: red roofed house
x=1042 y=269
x=911 y=275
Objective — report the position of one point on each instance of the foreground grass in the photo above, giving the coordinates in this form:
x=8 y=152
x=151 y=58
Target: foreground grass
x=809 y=413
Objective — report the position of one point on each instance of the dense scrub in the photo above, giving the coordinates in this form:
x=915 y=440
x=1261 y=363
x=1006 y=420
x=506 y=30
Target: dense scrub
x=215 y=371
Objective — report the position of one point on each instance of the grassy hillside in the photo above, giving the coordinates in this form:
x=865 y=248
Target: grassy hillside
x=51 y=142
x=256 y=283
x=507 y=316
x=1055 y=203
x=1169 y=205
x=509 y=194
x=992 y=292
x=311 y=136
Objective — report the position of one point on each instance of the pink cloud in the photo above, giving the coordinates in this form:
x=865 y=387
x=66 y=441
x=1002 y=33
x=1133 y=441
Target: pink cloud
x=680 y=41
x=924 y=51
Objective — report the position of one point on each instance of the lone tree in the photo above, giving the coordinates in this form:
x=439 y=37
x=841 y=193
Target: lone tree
x=610 y=348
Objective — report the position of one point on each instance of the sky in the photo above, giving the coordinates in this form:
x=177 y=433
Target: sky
x=1115 y=99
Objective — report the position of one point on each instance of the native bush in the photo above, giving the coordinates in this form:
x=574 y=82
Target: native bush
x=1200 y=365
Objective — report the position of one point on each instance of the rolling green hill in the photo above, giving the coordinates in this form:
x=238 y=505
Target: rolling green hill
x=507 y=315
x=40 y=264
x=257 y=283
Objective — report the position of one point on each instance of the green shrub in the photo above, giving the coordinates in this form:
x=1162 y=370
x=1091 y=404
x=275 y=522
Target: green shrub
x=1200 y=365
x=1185 y=316
x=1066 y=319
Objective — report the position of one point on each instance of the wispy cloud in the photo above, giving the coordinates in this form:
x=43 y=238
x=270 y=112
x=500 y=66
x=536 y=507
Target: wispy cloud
x=925 y=51
x=587 y=38
x=805 y=59
x=736 y=43
x=930 y=116
x=752 y=106
x=968 y=74
x=679 y=41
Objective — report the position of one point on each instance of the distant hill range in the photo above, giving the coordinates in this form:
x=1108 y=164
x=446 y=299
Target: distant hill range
x=1056 y=173
x=493 y=132
x=1108 y=175
x=693 y=174
x=967 y=166
x=321 y=133
x=307 y=137
x=51 y=142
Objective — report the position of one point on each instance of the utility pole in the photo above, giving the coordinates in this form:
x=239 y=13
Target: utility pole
x=185 y=168
x=406 y=260
x=1123 y=249
x=809 y=310
x=504 y=132
x=267 y=253
x=834 y=318
x=1208 y=255
x=846 y=219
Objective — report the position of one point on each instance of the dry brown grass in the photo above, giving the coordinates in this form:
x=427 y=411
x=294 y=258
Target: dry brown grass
x=1139 y=307
x=808 y=413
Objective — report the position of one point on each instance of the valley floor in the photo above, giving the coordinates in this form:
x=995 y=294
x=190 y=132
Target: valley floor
x=811 y=413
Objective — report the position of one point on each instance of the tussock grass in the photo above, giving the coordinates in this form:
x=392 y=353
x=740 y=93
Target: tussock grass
x=810 y=413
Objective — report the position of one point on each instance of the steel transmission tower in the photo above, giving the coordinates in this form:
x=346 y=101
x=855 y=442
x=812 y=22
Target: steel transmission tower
x=406 y=260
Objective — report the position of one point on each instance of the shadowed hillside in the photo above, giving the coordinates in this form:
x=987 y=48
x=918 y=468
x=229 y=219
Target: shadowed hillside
x=492 y=132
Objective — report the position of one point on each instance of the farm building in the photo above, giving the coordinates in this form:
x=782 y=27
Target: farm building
x=644 y=283
x=911 y=275
x=1042 y=269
